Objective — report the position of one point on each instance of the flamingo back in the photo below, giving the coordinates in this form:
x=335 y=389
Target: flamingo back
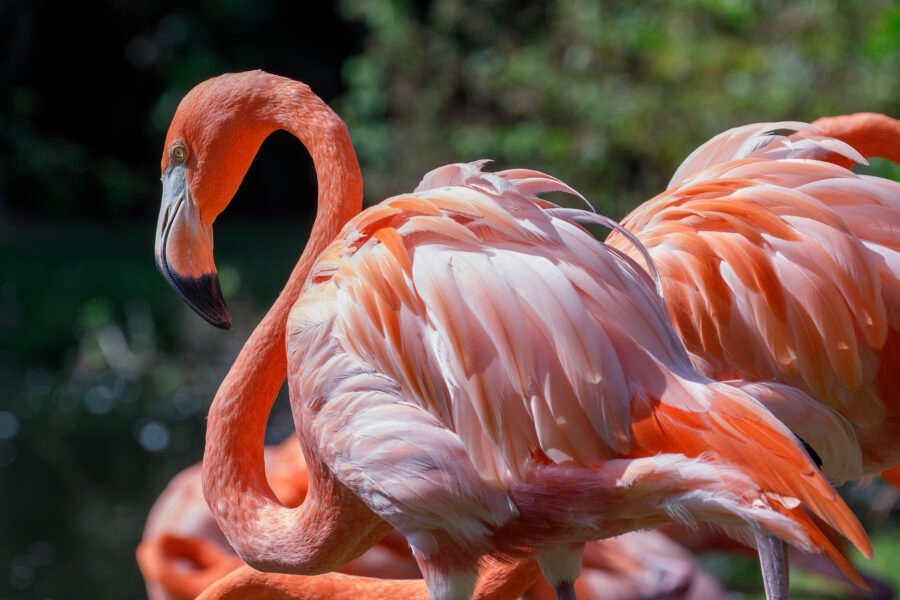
x=779 y=265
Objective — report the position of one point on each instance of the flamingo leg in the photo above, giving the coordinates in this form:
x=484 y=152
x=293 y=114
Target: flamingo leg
x=565 y=590
x=562 y=566
x=773 y=560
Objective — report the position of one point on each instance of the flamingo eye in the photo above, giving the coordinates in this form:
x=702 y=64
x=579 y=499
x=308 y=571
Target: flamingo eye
x=179 y=152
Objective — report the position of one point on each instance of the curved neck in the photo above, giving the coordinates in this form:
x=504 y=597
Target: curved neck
x=265 y=533
x=871 y=134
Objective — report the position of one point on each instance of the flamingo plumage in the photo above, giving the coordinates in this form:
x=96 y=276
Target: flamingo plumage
x=467 y=364
x=779 y=264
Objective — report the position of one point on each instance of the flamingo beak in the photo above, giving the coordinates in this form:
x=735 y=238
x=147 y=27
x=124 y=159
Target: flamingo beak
x=184 y=251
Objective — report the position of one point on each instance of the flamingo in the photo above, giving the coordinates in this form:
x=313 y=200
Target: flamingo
x=332 y=527
x=184 y=553
x=467 y=365
x=779 y=264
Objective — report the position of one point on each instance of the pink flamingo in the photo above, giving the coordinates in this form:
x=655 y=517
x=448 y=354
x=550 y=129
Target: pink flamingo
x=467 y=365
x=778 y=265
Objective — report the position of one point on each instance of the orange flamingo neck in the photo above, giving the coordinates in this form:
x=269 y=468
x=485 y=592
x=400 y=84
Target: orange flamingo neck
x=331 y=526
x=872 y=134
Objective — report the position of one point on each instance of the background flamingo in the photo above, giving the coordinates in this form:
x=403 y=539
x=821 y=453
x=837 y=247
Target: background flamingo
x=461 y=480
x=778 y=265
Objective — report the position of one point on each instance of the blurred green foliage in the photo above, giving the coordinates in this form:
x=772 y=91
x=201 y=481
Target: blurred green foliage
x=608 y=96
x=105 y=377
x=86 y=95
x=105 y=399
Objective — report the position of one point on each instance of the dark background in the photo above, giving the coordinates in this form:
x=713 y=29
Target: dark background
x=105 y=378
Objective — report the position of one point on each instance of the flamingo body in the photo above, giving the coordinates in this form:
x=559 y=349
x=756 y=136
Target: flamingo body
x=778 y=265
x=484 y=375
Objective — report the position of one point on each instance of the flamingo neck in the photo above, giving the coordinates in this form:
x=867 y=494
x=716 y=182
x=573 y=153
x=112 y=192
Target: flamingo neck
x=871 y=134
x=265 y=533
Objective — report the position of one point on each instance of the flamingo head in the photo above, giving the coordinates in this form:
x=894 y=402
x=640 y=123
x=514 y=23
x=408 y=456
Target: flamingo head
x=214 y=136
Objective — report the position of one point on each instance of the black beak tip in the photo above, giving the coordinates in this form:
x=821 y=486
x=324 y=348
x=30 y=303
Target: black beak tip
x=225 y=321
x=219 y=317
x=203 y=294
